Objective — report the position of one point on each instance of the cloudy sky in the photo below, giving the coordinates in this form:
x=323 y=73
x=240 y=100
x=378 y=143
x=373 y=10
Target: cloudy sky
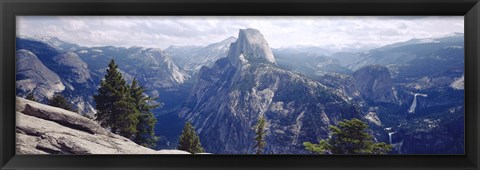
x=163 y=31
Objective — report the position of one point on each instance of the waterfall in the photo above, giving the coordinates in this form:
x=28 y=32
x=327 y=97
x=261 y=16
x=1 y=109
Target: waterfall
x=414 y=103
x=390 y=136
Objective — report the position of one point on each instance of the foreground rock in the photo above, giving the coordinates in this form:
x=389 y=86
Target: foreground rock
x=43 y=129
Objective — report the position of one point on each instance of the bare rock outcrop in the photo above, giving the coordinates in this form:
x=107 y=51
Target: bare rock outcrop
x=33 y=76
x=250 y=46
x=374 y=82
x=229 y=97
x=43 y=129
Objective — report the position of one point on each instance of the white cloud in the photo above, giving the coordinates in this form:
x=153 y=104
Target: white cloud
x=162 y=31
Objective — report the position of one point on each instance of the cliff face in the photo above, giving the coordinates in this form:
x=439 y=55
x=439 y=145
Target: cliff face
x=153 y=67
x=229 y=97
x=73 y=68
x=34 y=76
x=43 y=129
x=48 y=66
x=375 y=83
x=252 y=46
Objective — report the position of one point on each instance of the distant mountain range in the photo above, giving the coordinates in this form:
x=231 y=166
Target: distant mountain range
x=192 y=58
x=410 y=93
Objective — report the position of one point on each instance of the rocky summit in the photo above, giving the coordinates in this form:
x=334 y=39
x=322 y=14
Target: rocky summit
x=43 y=129
x=228 y=99
x=408 y=92
x=250 y=46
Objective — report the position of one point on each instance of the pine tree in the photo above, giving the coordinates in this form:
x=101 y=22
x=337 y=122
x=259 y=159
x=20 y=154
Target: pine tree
x=189 y=140
x=31 y=97
x=350 y=137
x=127 y=114
x=145 y=135
x=115 y=106
x=260 y=135
x=107 y=95
x=59 y=101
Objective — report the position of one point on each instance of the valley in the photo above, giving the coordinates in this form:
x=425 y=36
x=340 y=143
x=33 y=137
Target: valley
x=410 y=93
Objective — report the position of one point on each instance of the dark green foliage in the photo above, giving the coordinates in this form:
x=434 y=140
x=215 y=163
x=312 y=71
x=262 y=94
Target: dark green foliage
x=260 y=136
x=146 y=121
x=350 y=137
x=189 y=140
x=115 y=106
x=59 y=101
x=127 y=115
x=31 y=97
x=105 y=98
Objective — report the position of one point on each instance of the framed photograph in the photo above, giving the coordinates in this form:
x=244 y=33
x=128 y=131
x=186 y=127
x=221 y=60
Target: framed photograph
x=239 y=84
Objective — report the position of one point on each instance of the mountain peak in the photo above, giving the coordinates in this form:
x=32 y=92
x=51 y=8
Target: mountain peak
x=250 y=46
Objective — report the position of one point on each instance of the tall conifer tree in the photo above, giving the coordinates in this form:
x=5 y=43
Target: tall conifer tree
x=107 y=95
x=146 y=134
x=189 y=140
x=115 y=106
x=127 y=114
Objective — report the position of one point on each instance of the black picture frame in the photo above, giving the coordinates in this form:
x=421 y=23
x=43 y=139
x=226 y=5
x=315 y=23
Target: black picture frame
x=11 y=8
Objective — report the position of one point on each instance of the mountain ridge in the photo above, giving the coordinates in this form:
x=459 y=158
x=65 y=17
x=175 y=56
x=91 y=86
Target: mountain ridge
x=227 y=91
x=245 y=87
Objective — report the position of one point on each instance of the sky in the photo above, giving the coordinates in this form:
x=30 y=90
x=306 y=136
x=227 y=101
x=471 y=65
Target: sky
x=279 y=31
